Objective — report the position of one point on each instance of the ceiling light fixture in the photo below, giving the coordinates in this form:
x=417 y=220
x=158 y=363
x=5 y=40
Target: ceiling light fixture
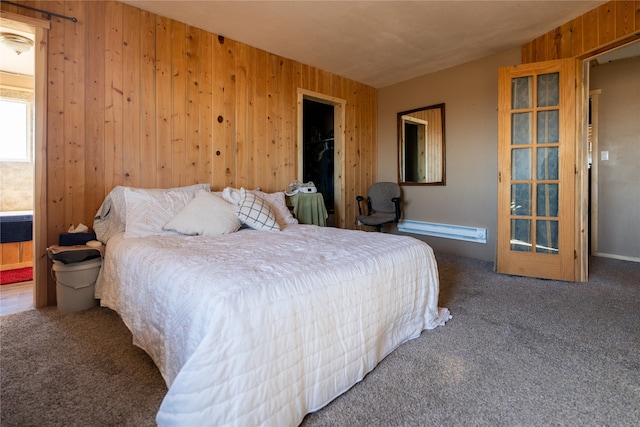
x=17 y=43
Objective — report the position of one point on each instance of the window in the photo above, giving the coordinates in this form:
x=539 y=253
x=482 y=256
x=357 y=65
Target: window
x=15 y=124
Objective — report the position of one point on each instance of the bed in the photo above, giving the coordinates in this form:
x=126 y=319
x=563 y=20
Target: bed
x=257 y=326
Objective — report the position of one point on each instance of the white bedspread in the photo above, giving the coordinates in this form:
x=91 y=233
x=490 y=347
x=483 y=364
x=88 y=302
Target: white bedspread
x=261 y=328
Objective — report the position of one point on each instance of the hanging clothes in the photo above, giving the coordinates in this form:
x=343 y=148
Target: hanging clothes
x=326 y=175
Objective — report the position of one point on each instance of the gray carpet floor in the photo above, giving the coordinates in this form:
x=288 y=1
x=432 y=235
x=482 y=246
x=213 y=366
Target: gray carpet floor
x=517 y=352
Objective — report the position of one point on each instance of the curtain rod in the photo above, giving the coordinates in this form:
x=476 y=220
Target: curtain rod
x=49 y=14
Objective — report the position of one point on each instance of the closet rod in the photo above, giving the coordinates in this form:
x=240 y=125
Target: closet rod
x=49 y=14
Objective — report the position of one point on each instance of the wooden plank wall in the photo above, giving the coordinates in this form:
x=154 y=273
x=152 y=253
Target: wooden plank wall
x=611 y=24
x=142 y=100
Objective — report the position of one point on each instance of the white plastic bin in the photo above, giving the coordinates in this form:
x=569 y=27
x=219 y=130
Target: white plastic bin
x=75 y=284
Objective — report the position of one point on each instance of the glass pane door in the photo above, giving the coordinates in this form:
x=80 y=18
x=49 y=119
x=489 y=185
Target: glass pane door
x=536 y=164
x=535 y=120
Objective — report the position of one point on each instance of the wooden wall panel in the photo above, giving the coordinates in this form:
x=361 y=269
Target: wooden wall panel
x=192 y=130
x=589 y=31
x=142 y=100
x=290 y=124
x=74 y=95
x=178 y=104
x=204 y=81
x=611 y=24
x=57 y=222
x=148 y=143
x=94 y=117
x=226 y=109
x=626 y=16
x=242 y=111
x=112 y=86
x=554 y=43
x=577 y=34
x=606 y=23
x=566 y=41
x=131 y=108
x=261 y=141
x=163 y=101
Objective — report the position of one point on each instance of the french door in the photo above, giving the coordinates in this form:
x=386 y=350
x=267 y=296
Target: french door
x=537 y=170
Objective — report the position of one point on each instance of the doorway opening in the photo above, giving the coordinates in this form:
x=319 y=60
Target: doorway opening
x=37 y=29
x=320 y=148
x=17 y=160
x=318 y=144
x=613 y=150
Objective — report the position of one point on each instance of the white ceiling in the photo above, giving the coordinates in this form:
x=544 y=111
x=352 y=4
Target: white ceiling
x=336 y=35
x=378 y=43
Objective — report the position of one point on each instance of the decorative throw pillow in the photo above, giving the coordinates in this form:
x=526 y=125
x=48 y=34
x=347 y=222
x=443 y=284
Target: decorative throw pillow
x=206 y=215
x=148 y=212
x=255 y=212
x=276 y=201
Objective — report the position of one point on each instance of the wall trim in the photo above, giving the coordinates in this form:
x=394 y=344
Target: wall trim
x=614 y=256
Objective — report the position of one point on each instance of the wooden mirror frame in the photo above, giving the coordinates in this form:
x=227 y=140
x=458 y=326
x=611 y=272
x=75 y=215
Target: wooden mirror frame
x=432 y=171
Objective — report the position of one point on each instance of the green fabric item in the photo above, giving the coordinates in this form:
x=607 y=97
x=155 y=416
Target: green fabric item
x=309 y=208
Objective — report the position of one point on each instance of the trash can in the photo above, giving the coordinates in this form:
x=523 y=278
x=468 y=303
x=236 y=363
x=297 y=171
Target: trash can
x=75 y=284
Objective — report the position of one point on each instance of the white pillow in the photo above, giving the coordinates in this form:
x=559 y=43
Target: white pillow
x=231 y=195
x=205 y=215
x=276 y=201
x=149 y=211
x=255 y=212
x=111 y=217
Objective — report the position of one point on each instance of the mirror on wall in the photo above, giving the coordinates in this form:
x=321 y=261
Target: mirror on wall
x=421 y=147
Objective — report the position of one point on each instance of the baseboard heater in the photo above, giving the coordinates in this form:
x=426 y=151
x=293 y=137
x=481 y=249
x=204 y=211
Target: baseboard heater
x=446 y=231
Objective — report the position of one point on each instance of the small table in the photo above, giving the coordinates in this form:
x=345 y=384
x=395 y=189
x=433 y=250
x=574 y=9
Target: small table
x=308 y=208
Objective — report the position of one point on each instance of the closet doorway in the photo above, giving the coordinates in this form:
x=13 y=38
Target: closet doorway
x=320 y=148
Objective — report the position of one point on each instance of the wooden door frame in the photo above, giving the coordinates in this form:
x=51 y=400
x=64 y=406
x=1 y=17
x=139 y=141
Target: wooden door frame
x=581 y=264
x=582 y=159
x=591 y=216
x=339 y=119
x=593 y=100
x=42 y=295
